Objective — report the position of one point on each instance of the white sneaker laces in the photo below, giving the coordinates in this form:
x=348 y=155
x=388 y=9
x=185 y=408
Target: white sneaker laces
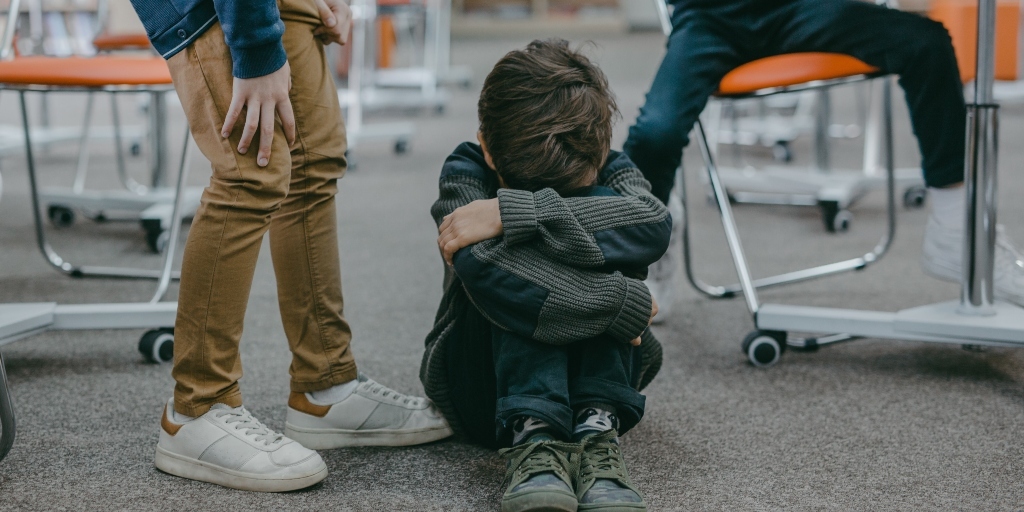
x=379 y=389
x=244 y=420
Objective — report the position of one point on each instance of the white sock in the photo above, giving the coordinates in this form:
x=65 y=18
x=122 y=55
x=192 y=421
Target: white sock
x=178 y=417
x=524 y=427
x=948 y=207
x=334 y=394
x=594 y=420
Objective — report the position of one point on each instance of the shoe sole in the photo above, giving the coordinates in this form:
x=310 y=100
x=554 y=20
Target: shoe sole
x=540 y=502
x=613 y=507
x=193 y=469
x=330 y=438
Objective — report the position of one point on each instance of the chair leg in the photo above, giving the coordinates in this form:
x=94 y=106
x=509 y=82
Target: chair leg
x=175 y=228
x=860 y=263
x=51 y=256
x=7 y=425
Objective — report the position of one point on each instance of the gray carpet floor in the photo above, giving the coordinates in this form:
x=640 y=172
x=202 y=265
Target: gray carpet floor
x=867 y=425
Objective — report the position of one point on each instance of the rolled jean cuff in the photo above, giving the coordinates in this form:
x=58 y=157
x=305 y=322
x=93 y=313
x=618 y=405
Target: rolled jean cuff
x=336 y=376
x=196 y=409
x=559 y=416
x=628 y=402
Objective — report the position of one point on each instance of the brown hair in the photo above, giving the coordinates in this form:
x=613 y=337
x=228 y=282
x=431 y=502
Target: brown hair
x=546 y=117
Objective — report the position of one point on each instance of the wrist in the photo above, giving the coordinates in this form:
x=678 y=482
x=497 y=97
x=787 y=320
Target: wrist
x=518 y=214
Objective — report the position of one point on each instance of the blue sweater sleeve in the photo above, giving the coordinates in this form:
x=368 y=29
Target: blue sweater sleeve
x=252 y=30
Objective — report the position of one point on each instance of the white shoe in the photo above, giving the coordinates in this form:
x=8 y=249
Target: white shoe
x=661 y=275
x=230 y=447
x=942 y=258
x=373 y=415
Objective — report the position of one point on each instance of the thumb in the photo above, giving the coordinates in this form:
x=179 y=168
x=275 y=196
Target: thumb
x=326 y=15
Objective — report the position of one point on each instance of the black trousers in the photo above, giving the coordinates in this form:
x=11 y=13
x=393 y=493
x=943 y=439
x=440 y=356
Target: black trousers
x=711 y=38
x=495 y=375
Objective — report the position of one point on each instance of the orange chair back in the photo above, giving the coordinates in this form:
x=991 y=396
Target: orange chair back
x=960 y=17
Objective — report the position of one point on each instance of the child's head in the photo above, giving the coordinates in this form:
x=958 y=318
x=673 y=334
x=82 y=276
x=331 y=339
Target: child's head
x=546 y=117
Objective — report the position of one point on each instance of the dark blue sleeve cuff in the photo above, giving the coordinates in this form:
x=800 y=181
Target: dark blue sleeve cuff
x=257 y=61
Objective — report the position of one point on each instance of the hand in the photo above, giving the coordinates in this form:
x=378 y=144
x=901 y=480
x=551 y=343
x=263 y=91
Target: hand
x=337 y=21
x=261 y=96
x=469 y=224
x=654 y=312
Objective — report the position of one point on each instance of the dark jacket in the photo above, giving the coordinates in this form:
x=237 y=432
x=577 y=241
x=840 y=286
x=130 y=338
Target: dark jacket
x=567 y=269
x=252 y=30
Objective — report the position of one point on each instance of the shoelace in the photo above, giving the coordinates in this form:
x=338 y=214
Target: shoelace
x=379 y=389
x=601 y=459
x=531 y=459
x=252 y=427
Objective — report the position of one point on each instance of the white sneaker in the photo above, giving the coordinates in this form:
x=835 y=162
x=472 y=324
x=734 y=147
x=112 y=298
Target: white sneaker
x=942 y=258
x=373 y=415
x=229 y=447
x=661 y=275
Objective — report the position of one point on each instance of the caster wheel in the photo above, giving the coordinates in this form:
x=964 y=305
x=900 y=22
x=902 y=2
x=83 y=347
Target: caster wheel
x=157 y=346
x=401 y=146
x=135 y=149
x=836 y=219
x=439 y=110
x=764 y=348
x=61 y=216
x=914 y=197
x=156 y=236
x=782 y=152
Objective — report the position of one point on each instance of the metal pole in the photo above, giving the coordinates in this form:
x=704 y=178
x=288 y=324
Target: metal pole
x=175 y=228
x=158 y=137
x=980 y=175
x=7 y=43
x=7 y=424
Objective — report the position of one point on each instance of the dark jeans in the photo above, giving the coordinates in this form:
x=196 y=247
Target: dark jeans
x=709 y=39
x=494 y=375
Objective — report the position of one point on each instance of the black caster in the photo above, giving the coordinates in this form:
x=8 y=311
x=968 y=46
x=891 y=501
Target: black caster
x=401 y=146
x=836 y=219
x=60 y=216
x=764 y=348
x=157 y=346
x=914 y=197
x=156 y=236
x=135 y=149
x=782 y=152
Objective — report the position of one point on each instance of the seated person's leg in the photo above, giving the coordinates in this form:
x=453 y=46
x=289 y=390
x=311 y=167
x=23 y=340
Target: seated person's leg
x=697 y=57
x=920 y=51
x=533 y=409
x=471 y=380
x=604 y=377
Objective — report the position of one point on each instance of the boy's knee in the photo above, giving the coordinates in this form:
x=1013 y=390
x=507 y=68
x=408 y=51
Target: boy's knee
x=658 y=133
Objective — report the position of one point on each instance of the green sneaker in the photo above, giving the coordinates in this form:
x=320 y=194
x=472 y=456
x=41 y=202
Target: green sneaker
x=602 y=483
x=539 y=476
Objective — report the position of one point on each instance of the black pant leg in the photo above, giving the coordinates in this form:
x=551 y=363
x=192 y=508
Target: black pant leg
x=471 y=380
x=605 y=371
x=533 y=380
x=917 y=49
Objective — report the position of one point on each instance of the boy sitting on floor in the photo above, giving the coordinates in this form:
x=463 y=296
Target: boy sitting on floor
x=541 y=340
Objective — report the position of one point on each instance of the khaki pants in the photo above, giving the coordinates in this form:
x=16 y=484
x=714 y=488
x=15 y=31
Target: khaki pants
x=292 y=198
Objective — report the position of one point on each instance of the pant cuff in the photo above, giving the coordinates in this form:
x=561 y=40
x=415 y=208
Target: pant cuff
x=336 y=376
x=196 y=409
x=559 y=416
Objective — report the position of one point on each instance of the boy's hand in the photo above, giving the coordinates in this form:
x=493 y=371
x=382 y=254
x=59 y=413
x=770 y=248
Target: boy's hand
x=469 y=224
x=337 y=21
x=654 y=311
x=261 y=96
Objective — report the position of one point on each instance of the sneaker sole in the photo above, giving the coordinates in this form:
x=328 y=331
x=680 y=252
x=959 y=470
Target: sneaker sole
x=330 y=438
x=613 y=507
x=540 y=502
x=193 y=469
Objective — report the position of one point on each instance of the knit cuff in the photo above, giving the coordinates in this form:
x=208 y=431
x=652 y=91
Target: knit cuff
x=635 y=315
x=259 y=60
x=518 y=215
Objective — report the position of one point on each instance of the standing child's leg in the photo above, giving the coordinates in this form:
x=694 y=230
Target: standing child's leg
x=533 y=409
x=603 y=390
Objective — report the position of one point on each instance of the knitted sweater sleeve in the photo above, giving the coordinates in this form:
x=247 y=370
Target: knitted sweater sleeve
x=616 y=225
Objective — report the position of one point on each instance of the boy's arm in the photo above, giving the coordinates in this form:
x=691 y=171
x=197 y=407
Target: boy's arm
x=464 y=178
x=521 y=290
x=615 y=225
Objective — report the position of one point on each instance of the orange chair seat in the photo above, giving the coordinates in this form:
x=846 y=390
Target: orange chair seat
x=85 y=72
x=111 y=42
x=790 y=69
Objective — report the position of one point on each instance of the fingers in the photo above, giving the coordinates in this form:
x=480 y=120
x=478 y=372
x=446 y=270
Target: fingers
x=445 y=224
x=234 y=110
x=266 y=136
x=326 y=15
x=635 y=342
x=284 y=109
x=252 y=121
x=449 y=251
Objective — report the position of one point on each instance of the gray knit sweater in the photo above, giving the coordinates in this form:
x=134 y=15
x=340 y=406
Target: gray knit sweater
x=566 y=269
